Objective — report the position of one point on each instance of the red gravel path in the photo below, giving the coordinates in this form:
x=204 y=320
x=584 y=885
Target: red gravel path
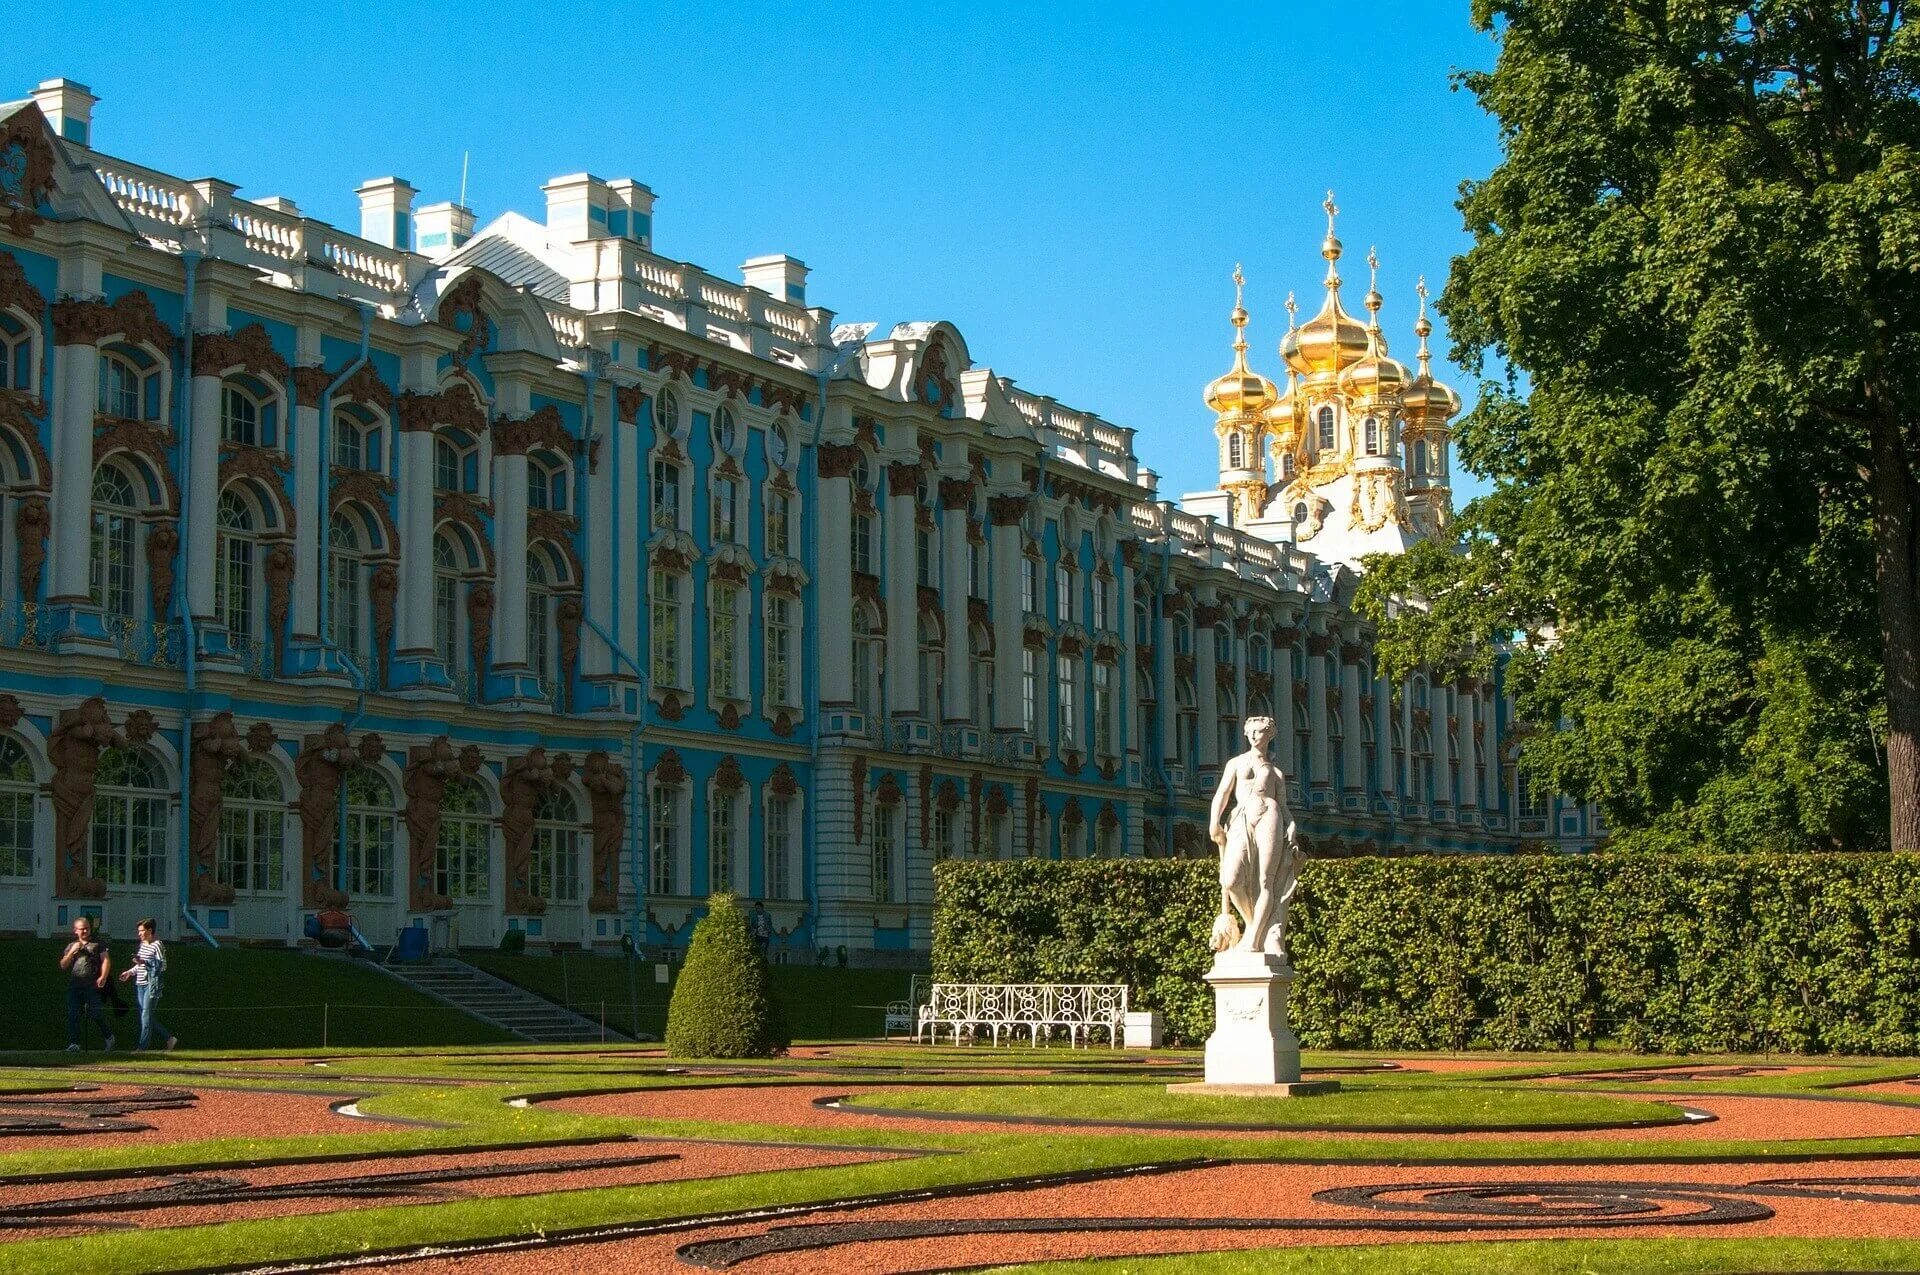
x=1251 y=1190
x=696 y=1160
x=216 y=1113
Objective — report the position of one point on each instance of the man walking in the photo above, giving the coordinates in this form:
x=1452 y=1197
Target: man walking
x=87 y=965
x=760 y=925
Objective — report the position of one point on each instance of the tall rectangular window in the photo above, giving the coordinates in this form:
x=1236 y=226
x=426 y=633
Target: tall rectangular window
x=726 y=511
x=1063 y=593
x=863 y=544
x=666 y=495
x=1069 y=669
x=1103 y=715
x=978 y=568
x=663 y=621
x=1101 y=620
x=663 y=845
x=943 y=830
x=779 y=608
x=924 y=559
x=724 y=643
x=780 y=857
x=1030 y=689
x=1029 y=585
x=779 y=524
x=722 y=829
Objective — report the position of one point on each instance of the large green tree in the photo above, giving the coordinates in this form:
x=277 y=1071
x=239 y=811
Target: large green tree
x=1699 y=265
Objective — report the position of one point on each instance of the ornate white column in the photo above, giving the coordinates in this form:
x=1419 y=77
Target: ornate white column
x=1406 y=737
x=1353 y=763
x=1166 y=673
x=1469 y=698
x=1442 y=753
x=956 y=498
x=1126 y=701
x=1206 y=690
x=1004 y=512
x=310 y=381
x=203 y=498
x=415 y=662
x=902 y=589
x=76 y=362
x=1284 y=748
x=1319 y=762
x=833 y=569
x=1383 y=738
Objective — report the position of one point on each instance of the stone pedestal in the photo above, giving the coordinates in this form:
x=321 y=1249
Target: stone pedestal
x=1143 y=1029
x=1253 y=1052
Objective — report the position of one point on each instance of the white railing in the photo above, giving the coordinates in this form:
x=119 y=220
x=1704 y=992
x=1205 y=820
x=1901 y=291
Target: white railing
x=570 y=330
x=275 y=235
x=1077 y=1008
x=150 y=199
x=357 y=260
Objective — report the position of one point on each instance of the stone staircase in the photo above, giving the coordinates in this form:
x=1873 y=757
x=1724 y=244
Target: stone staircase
x=496 y=1001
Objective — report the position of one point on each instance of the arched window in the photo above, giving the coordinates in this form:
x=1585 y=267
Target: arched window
x=866 y=662
x=1186 y=742
x=725 y=641
x=357 y=439
x=1257 y=657
x=452 y=561
x=1229 y=709
x=248 y=413
x=980 y=643
x=933 y=665
x=1286 y=466
x=1236 y=451
x=724 y=867
x=17 y=809
x=1323 y=419
x=129 y=383
x=783 y=644
x=1142 y=624
x=461 y=855
x=665 y=829
x=235 y=597
x=1372 y=428
x=1105 y=740
x=252 y=829
x=1420 y=459
x=16 y=354
x=726 y=511
x=540 y=643
x=456 y=463
x=546 y=484
x=666 y=495
x=863 y=473
x=1420 y=782
x=781 y=836
x=863 y=542
x=110 y=571
x=779 y=523
x=370 y=823
x=666 y=619
x=347 y=582
x=777 y=445
x=884 y=841
x=1222 y=644
x=128 y=835
x=666 y=413
x=556 y=848
x=726 y=432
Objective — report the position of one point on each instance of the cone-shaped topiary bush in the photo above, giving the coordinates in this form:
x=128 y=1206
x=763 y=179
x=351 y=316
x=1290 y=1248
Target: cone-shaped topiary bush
x=723 y=1004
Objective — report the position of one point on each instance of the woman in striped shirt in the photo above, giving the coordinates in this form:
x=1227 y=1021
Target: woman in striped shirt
x=149 y=963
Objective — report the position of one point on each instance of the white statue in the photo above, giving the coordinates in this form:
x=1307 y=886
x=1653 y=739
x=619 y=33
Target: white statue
x=1259 y=848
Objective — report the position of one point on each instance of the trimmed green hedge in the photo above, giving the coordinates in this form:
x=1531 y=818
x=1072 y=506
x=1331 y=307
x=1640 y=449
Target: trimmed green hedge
x=1815 y=953
x=722 y=1006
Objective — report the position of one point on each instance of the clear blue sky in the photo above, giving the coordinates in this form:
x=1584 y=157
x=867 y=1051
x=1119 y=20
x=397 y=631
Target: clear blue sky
x=1071 y=186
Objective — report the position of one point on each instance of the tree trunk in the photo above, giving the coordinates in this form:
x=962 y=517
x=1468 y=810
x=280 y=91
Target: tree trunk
x=1896 y=532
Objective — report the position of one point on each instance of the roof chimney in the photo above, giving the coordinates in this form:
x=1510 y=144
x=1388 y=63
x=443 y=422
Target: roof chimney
x=630 y=211
x=440 y=229
x=386 y=212
x=68 y=106
x=778 y=276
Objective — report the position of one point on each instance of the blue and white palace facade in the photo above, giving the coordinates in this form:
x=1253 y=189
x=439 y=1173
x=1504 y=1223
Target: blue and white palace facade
x=526 y=578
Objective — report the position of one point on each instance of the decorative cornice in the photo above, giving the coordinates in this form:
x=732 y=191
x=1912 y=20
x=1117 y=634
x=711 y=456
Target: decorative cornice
x=91 y=322
x=16 y=292
x=464 y=298
x=541 y=429
x=248 y=350
x=454 y=406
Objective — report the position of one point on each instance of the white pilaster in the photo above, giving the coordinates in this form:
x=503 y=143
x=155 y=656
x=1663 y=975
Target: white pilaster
x=953 y=602
x=75 y=369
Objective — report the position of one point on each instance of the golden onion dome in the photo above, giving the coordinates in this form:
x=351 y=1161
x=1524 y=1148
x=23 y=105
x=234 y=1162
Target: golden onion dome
x=1282 y=417
x=1427 y=402
x=1332 y=339
x=1375 y=375
x=1242 y=391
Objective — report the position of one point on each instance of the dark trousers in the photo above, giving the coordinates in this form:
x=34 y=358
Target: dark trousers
x=83 y=1001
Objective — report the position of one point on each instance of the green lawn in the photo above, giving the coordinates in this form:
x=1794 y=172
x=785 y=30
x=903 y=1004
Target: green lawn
x=242 y=998
x=821 y=1003
x=1358 y=1105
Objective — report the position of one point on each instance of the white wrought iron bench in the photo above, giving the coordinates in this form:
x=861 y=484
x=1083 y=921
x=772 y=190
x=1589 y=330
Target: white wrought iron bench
x=975 y=1008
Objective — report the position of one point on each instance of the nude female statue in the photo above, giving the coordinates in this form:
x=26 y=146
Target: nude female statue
x=1259 y=848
